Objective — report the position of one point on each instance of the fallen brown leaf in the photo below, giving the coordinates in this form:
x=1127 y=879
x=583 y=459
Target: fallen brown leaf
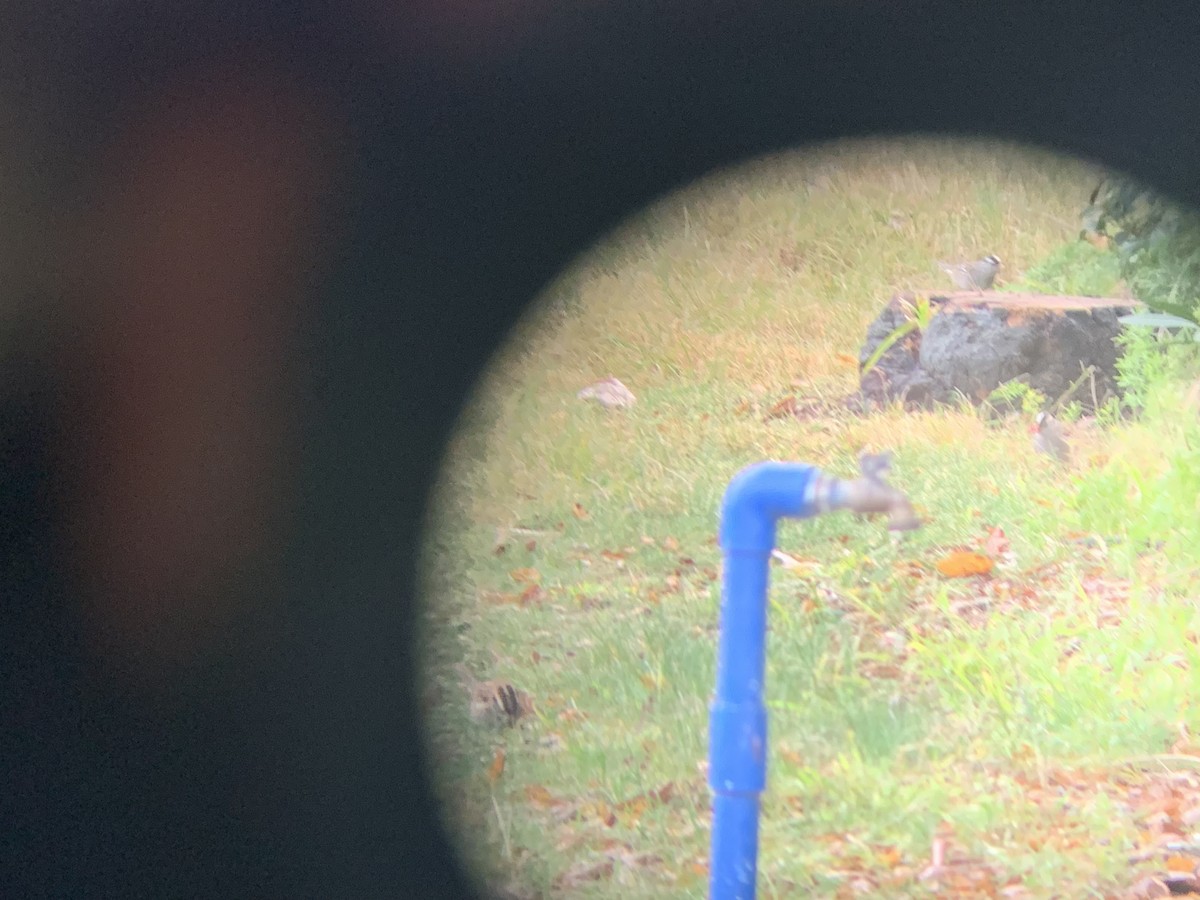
x=785 y=408
x=790 y=756
x=532 y=594
x=538 y=795
x=584 y=873
x=578 y=511
x=600 y=811
x=496 y=769
x=889 y=856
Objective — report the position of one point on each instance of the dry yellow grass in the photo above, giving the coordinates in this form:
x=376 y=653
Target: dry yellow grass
x=755 y=283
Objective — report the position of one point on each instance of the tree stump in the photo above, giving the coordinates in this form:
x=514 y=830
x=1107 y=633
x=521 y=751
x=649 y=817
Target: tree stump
x=976 y=342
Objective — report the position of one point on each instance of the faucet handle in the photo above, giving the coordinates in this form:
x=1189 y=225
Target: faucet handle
x=875 y=466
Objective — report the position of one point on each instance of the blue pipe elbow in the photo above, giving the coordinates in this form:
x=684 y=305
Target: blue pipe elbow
x=755 y=500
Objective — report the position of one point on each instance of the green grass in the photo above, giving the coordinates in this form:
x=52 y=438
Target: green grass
x=901 y=702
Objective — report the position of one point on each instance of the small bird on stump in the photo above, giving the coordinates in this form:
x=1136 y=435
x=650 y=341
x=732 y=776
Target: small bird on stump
x=973 y=276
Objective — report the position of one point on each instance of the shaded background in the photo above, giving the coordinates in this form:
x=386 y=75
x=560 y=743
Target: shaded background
x=254 y=258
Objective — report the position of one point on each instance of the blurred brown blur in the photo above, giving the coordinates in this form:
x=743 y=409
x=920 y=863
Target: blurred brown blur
x=192 y=273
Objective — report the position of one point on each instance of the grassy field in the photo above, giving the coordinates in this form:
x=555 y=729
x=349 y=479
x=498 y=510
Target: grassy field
x=1035 y=722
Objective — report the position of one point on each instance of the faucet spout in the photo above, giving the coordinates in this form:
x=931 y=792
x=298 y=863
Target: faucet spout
x=871 y=493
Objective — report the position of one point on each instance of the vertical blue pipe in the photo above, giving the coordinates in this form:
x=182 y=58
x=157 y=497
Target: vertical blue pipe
x=755 y=500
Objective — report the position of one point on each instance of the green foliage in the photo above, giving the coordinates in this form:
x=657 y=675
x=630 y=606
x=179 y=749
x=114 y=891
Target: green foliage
x=1017 y=395
x=1077 y=268
x=1150 y=359
x=920 y=314
x=1157 y=244
x=1151 y=506
x=1111 y=411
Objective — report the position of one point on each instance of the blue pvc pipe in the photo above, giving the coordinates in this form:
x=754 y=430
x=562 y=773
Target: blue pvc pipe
x=755 y=500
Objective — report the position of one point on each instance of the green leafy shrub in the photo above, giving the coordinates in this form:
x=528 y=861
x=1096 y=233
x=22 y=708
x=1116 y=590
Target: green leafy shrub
x=1149 y=360
x=1014 y=396
x=1156 y=243
x=918 y=316
x=1151 y=503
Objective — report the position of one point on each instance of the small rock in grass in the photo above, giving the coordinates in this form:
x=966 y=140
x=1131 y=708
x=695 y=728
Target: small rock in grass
x=609 y=393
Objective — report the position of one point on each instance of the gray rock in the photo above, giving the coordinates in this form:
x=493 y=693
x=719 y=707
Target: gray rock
x=975 y=344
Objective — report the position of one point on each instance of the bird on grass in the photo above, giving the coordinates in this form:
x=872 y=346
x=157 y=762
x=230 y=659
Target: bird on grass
x=1048 y=437
x=496 y=703
x=973 y=276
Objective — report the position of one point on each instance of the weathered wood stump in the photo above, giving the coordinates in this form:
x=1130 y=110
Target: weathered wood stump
x=976 y=342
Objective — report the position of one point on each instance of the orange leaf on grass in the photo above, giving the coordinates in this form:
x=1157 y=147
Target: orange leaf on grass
x=791 y=756
x=578 y=511
x=525 y=576
x=538 y=795
x=786 y=407
x=496 y=769
x=599 y=811
x=650 y=682
x=889 y=856
x=532 y=594
x=1181 y=864
x=963 y=564
x=639 y=803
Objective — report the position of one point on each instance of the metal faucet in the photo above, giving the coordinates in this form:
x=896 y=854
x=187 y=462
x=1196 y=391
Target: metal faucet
x=869 y=493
